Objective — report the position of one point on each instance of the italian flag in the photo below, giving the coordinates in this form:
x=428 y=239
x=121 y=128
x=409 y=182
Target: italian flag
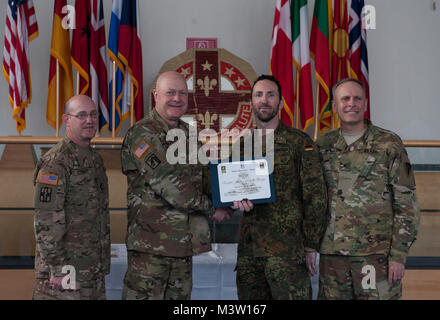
x=320 y=50
x=281 y=58
x=301 y=59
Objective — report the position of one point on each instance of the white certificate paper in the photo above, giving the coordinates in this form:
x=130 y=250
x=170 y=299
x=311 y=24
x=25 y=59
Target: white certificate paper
x=240 y=180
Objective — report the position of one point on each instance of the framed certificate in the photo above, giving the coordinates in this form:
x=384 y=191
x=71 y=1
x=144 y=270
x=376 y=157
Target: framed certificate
x=237 y=180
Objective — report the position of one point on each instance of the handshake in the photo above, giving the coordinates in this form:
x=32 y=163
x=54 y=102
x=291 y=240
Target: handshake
x=227 y=212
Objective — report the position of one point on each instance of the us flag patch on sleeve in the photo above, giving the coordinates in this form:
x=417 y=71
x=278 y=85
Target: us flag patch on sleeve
x=48 y=179
x=141 y=150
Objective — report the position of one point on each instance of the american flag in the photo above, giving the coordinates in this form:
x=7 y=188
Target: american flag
x=98 y=64
x=48 y=179
x=21 y=28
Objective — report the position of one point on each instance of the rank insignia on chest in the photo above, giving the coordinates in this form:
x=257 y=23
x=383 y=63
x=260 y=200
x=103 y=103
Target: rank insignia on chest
x=153 y=161
x=139 y=152
x=48 y=179
x=45 y=194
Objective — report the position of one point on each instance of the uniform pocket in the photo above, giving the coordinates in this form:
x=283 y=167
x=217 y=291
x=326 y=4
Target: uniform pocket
x=389 y=292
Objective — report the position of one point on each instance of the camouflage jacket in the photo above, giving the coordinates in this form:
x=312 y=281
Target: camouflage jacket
x=72 y=223
x=372 y=195
x=167 y=210
x=298 y=217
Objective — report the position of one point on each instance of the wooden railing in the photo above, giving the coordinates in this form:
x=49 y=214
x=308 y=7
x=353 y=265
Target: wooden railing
x=54 y=140
x=118 y=141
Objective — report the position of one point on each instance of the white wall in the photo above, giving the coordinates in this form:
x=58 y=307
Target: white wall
x=403 y=54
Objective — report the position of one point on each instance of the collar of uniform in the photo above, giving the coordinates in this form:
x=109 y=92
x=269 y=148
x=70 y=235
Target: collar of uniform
x=73 y=146
x=164 y=125
x=278 y=132
x=360 y=144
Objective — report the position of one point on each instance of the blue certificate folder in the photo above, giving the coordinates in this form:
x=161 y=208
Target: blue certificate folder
x=215 y=187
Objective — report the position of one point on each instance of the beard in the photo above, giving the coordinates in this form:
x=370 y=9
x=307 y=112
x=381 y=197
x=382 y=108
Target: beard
x=266 y=116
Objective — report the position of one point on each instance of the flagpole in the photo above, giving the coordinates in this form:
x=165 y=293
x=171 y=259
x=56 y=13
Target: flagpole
x=57 y=116
x=113 y=97
x=317 y=115
x=297 y=100
x=131 y=104
x=77 y=83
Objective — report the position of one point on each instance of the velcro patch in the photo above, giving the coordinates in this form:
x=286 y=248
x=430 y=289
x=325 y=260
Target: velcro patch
x=48 y=179
x=46 y=194
x=153 y=161
x=139 y=152
x=308 y=148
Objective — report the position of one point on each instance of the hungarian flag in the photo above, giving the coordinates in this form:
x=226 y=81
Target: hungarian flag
x=301 y=59
x=60 y=50
x=341 y=62
x=281 y=56
x=21 y=28
x=358 y=48
x=125 y=49
x=320 y=49
x=81 y=45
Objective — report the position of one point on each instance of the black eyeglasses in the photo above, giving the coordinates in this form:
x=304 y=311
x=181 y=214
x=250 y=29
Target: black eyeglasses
x=84 y=115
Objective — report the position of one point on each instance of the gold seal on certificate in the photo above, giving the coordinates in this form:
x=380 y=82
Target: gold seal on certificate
x=238 y=180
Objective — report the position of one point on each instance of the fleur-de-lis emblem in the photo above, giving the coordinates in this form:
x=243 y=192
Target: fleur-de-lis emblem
x=207 y=120
x=207 y=84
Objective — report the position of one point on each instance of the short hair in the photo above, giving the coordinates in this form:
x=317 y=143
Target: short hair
x=342 y=81
x=270 y=78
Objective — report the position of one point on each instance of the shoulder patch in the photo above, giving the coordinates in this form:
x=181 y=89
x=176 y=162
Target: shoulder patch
x=49 y=179
x=308 y=148
x=153 y=161
x=139 y=152
x=46 y=194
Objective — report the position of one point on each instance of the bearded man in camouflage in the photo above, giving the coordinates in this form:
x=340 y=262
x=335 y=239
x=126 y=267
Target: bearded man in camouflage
x=278 y=241
x=167 y=209
x=72 y=224
x=372 y=201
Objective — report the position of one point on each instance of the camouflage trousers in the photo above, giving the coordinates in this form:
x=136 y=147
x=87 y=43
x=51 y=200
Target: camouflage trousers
x=267 y=278
x=91 y=290
x=151 y=277
x=356 y=278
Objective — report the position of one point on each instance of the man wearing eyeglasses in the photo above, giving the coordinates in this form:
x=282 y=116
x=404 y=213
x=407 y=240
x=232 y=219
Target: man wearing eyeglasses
x=72 y=224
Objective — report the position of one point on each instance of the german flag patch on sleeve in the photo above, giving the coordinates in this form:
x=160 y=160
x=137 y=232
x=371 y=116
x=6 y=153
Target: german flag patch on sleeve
x=49 y=179
x=308 y=148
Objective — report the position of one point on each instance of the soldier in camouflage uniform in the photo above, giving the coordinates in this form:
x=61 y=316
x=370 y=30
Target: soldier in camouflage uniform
x=278 y=241
x=167 y=210
x=72 y=224
x=372 y=201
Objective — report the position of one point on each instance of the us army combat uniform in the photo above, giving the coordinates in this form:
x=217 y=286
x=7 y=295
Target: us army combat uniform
x=167 y=213
x=72 y=224
x=271 y=257
x=373 y=214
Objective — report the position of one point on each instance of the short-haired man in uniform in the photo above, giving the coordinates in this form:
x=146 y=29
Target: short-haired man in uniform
x=72 y=224
x=279 y=241
x=167 y=208
x=372 y=202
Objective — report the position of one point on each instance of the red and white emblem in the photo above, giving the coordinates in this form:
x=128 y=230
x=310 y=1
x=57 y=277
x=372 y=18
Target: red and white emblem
x=219 y=86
